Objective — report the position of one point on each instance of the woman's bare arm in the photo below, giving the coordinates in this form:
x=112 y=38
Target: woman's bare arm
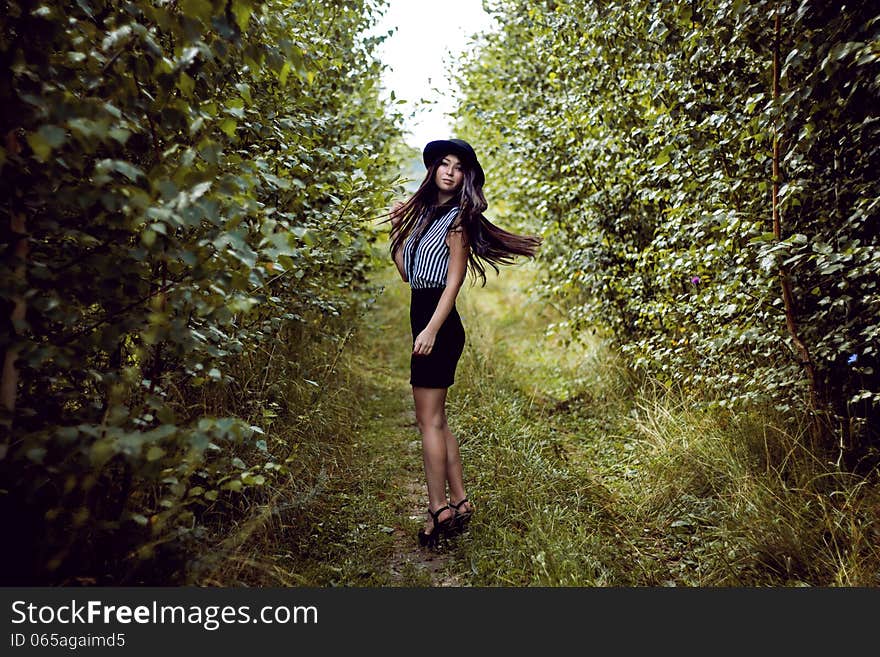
x=398 y=255
x=458 y=259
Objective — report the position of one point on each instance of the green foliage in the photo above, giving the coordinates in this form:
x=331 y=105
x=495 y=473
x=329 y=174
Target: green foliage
x=194 y=178
x=638 y=137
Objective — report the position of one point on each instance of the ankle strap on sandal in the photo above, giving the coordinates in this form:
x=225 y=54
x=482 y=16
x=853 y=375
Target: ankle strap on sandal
x=436 y=514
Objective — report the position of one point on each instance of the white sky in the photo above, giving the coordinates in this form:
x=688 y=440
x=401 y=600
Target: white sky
x=430 y=36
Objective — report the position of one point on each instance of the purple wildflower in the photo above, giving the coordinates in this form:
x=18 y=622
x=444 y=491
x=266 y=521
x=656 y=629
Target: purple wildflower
x=695 y=279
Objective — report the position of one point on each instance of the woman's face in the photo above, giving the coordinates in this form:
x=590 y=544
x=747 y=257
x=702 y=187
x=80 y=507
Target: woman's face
x=450 y=174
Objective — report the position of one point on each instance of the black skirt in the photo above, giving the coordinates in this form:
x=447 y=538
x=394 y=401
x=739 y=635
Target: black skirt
x=437 y=369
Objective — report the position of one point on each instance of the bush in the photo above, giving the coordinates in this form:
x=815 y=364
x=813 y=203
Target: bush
x=639 y=136
x=192 y=178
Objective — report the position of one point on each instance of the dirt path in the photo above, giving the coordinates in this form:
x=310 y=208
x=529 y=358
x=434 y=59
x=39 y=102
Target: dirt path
x=410 y=557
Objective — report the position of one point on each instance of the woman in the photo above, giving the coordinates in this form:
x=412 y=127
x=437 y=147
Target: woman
x=436 y=236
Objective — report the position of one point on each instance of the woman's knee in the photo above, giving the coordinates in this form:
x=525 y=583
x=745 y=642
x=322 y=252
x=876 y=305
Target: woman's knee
x=431 y=422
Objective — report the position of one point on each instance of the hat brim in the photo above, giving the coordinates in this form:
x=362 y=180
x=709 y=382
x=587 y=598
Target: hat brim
x=437 y=149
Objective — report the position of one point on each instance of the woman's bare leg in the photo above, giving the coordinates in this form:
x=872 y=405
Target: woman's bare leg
x=431 y=416
x=453 y=468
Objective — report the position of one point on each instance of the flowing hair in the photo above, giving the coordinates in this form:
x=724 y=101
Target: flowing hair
x=488 y=243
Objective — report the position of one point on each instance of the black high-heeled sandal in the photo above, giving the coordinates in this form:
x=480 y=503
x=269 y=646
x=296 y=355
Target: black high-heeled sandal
x=440 y=529
x=462 y=518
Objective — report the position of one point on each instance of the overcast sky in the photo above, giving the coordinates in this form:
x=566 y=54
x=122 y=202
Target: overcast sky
x=430 y=36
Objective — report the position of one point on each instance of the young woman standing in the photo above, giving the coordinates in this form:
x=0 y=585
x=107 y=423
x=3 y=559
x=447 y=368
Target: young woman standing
x=436 y=236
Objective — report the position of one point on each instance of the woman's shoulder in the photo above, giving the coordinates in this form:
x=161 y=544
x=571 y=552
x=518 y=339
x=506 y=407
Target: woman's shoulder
x=455 y=222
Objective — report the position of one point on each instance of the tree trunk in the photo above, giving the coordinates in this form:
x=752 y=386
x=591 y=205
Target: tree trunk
x=9 y=379
x=791 y=324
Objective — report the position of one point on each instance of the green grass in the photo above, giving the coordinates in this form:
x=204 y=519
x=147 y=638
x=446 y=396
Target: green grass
x=582 y=475
x=526 y=414
x=586 y=478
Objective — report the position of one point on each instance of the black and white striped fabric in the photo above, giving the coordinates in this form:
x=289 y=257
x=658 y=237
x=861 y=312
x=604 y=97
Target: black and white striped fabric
x=426 y=256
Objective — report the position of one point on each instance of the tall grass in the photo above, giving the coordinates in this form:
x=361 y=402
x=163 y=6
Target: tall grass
x=335 y=518
x=585 y=476
x=747 y=503
x=298 y=389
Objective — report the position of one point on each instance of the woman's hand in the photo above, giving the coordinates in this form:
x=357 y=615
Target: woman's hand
x=395 y=216
x=397 y=255
x=424 y=342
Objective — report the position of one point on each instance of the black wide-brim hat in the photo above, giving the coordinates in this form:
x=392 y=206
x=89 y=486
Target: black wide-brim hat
x=437 y=149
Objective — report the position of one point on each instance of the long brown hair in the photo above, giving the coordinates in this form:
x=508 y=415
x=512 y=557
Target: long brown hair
x=489 y=244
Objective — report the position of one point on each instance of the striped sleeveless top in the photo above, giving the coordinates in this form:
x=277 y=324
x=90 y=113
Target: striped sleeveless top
x=425 y=253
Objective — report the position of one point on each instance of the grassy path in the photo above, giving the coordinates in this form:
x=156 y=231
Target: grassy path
x=358 y=527
x=519 y=445
x=505 y=408
x=580 y=477
x=359 y=523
